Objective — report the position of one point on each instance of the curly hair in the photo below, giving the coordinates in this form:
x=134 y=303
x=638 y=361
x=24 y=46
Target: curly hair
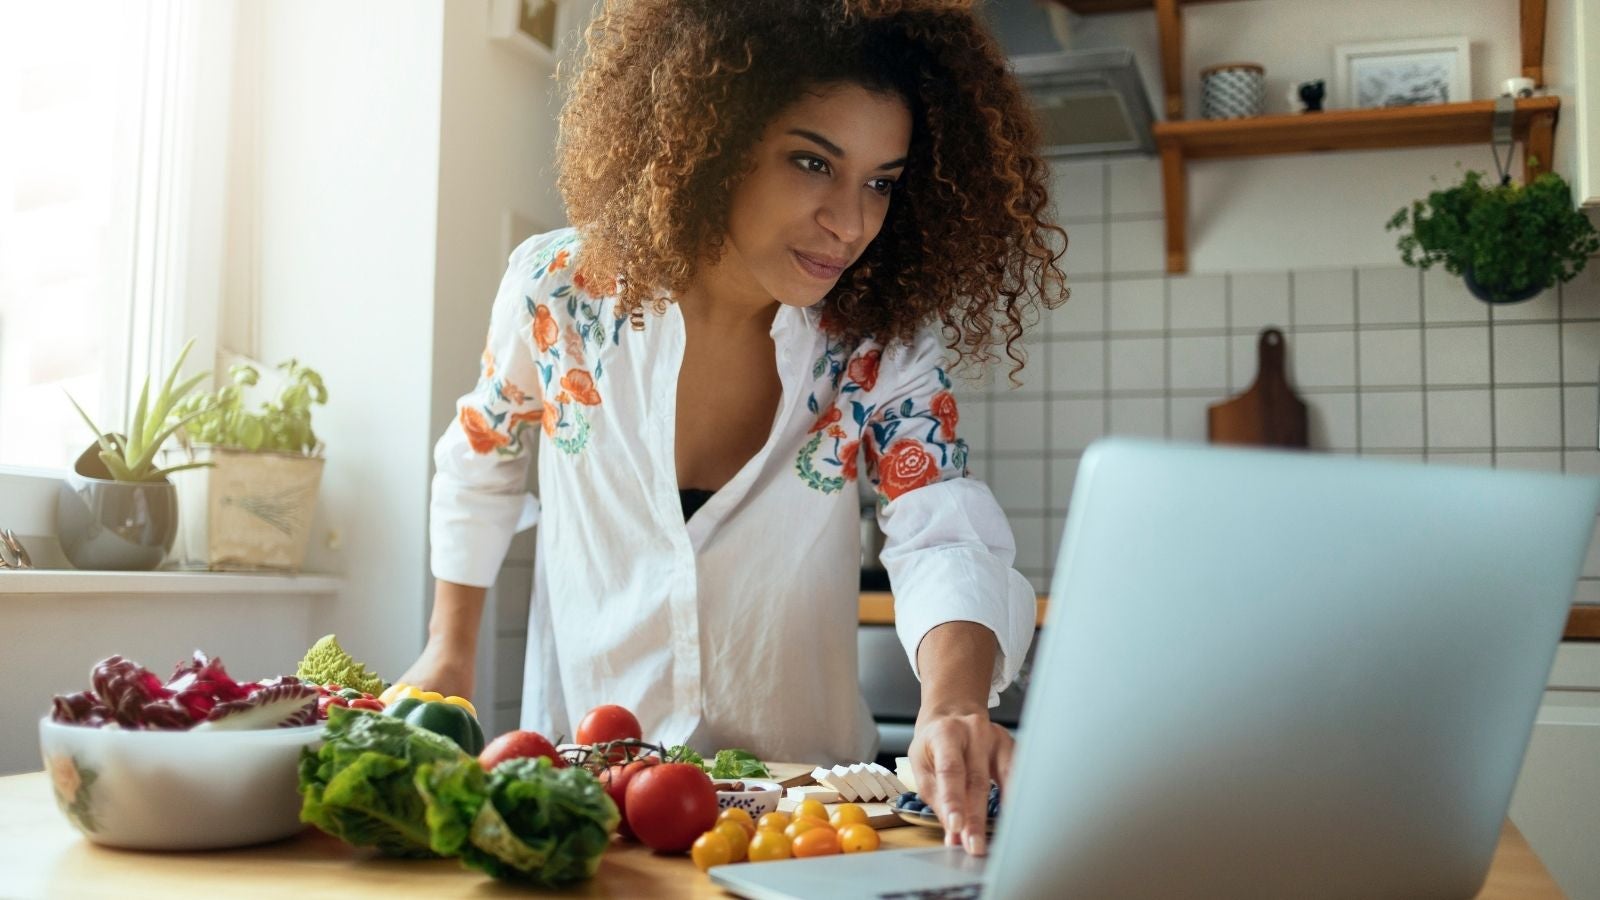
x=671 y=97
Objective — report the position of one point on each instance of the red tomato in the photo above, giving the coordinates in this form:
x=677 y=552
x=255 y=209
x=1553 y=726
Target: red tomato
x=516 y=745
x=670 y=805
x=608 y=723
x=616 y=778
x=367 y=703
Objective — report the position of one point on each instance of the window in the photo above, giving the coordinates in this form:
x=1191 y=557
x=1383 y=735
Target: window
x=100 y=105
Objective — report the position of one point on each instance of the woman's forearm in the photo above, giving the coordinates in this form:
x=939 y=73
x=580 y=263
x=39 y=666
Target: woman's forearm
x=457 y=611
x=956 y=662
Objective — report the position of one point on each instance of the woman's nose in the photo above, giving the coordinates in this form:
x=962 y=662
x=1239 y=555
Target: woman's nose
x=842 y=215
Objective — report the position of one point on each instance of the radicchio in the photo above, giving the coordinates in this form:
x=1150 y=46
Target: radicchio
x=200 y=691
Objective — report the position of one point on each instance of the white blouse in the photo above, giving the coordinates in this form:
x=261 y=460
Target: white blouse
x=736 y=628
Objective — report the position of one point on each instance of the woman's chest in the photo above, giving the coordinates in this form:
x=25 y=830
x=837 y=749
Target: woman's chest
x=728 y=399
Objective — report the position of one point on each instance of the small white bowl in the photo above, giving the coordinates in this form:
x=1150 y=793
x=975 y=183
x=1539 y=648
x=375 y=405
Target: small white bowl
x=758 y=798
x=177 y=790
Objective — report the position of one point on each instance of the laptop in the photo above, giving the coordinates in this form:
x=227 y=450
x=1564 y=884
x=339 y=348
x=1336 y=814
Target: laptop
x=1265 y=674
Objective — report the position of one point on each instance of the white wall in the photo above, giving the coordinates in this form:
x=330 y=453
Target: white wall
x=341 y=254
x=496 y=161
x=1311 y=210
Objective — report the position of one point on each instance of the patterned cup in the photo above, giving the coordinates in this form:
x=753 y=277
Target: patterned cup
x=1232 y=90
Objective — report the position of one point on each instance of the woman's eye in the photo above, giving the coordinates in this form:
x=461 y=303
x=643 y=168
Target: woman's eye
x=884 y=186
x=813 y=164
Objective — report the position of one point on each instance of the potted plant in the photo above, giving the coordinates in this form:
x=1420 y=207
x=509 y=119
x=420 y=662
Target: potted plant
x=1507 y=242
x=117 y=509
x=251 y=509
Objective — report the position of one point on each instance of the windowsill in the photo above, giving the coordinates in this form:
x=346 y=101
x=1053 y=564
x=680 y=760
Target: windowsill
x=66 y=581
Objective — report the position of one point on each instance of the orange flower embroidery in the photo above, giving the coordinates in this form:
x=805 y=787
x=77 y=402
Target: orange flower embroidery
x=828 y=418
x=847 y=455
x=863 y=370
x=559 y=263
x=488 y=363
x=907 y=465
x=835 y=431
x=545 y=330
x=480 y=435
x=552 y=416
x=944 y=409
x=581 y=385
x=513 y=393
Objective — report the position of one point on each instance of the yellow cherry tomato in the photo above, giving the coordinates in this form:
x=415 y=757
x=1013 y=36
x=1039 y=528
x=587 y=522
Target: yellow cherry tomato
x=711 y=849
x=816 y=842
x=769 y=845
x=813 y=809
x=738 y=838
x=859 y=838
x=847 y=814
x=773 y=821
x=735 y=814
x=803 y=824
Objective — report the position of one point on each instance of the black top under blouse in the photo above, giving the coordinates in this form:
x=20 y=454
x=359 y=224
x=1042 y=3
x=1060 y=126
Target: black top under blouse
x=693 y=499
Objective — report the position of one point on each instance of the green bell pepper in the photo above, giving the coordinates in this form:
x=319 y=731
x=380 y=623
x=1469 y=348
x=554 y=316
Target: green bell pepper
x=447 y=719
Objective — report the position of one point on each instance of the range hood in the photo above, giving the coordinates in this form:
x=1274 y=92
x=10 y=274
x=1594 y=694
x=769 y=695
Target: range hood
x=1087 y=101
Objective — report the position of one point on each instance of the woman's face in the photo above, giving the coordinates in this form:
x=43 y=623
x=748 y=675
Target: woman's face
x=818 y=193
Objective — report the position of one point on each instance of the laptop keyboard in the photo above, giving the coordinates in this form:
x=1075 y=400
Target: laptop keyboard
x=956 y=892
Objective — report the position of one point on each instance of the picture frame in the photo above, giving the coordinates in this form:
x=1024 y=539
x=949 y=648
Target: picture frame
x=530 y=27
x=1402 y=73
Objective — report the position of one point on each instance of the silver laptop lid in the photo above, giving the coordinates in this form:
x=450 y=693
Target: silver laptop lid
x=1271 y=674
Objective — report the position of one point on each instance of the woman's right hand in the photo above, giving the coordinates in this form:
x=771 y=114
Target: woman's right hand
x=440 y=668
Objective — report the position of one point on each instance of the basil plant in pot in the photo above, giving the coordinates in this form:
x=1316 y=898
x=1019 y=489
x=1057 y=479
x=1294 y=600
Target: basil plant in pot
x=251 y=508
x=1507 y=242
x=117 y=509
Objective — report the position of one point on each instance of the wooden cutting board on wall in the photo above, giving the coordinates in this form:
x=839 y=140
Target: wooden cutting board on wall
x=1269 y=413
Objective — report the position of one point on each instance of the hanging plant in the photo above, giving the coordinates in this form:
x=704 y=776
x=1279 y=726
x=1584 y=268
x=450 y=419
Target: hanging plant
x=1507 y=242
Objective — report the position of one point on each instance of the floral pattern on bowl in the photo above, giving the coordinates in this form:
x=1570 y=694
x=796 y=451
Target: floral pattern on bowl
x=760 y=798
x=71 y=784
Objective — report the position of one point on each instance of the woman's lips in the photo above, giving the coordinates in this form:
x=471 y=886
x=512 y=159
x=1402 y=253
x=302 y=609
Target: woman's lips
x=816 y=268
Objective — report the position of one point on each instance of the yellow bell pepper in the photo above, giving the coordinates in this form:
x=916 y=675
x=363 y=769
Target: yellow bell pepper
x=400 y=691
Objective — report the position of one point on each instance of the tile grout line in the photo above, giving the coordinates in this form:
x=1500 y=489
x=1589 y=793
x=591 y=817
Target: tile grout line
x=1356 y=376
x=1422 y=348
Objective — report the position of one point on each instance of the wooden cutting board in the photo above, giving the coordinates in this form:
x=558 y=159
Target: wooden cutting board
x=1269 y=413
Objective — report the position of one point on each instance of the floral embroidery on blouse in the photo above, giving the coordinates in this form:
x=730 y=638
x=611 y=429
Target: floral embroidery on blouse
x=567 y=350
x=505 y=411
x=906 y=446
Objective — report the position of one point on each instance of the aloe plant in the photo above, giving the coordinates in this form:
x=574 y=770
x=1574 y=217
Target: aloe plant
x=130 y=456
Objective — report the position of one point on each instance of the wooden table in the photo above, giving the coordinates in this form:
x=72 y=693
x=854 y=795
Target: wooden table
x=42 y=856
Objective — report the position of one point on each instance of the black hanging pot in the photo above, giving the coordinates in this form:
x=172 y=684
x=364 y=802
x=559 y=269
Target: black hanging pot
x=1486 y=295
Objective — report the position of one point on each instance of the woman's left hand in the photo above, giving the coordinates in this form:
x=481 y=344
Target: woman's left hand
x=954 y=755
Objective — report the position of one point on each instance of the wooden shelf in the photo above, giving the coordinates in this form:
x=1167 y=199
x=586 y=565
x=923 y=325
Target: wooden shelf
x=1358 y=129
x=1340 y=129
x=1354 y=129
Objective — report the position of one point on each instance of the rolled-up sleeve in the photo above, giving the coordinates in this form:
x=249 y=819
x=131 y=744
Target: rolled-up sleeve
x=947 y=547
x=480 y=498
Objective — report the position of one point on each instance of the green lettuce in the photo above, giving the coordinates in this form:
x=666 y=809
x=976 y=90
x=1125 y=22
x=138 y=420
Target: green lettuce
x=360 y=785
x=737 y=764
x=526 y=821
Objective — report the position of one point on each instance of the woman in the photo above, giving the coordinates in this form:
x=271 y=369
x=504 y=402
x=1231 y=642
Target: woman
x=788 y=214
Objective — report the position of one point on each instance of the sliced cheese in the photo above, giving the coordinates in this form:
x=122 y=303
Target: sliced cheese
x=839 y=779
x=866 y=786
x=814 y=792
x=906 y=777
x=896 y=788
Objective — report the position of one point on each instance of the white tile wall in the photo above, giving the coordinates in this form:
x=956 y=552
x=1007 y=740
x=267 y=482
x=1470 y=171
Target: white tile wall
x=1392 y=362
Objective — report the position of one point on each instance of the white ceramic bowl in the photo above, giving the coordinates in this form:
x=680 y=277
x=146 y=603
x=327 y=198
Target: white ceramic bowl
x=177 y=790
x=759 y=798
